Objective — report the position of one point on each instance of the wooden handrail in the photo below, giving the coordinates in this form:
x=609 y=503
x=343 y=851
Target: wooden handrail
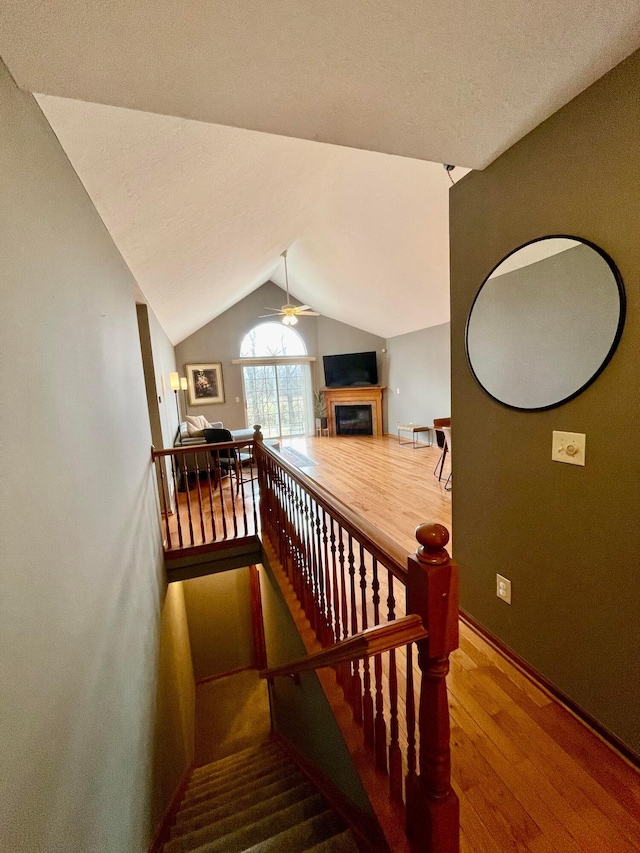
x=180 y=450
x=380 y=546
x=373 y=641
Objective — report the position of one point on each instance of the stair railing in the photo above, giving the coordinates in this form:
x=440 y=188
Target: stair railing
x=348 y=578
x=207 y=495
x=373 y=641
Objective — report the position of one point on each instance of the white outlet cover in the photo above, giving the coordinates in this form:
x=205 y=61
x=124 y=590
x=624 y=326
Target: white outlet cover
x=568 y=447
x=503 y=589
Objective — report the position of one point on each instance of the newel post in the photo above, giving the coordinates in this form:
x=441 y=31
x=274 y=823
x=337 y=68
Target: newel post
x=262 y=475
x=432 y=808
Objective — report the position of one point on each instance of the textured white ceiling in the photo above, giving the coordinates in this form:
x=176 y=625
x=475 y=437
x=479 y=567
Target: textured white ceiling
x=455 y=82
x=202 y=212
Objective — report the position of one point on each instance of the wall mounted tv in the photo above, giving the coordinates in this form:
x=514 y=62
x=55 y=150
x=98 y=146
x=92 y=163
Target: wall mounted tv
x=350 y=370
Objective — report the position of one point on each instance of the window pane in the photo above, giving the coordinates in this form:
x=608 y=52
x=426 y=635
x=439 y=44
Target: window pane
x=262 y=398
x=270 y=340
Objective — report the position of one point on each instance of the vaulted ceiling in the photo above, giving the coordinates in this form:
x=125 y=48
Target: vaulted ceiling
x=198 y=130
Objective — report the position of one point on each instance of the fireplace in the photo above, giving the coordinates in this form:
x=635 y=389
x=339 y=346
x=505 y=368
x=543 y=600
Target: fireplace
x=354 y=420
x=354 y=397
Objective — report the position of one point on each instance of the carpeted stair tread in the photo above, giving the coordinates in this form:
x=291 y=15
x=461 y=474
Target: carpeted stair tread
x=235 y=802
x=242 y=818
x=299 y=838
x=245 y=838
x=260 y=771
x=258 y=760
x=220 y=797
x=225 y=767
x=253 y=789
x=236 y=758
x=342 y=843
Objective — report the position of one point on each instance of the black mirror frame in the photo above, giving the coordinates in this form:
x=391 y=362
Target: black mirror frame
x=616 y=340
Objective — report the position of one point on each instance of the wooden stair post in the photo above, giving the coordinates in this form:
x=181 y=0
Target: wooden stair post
x=432 y=807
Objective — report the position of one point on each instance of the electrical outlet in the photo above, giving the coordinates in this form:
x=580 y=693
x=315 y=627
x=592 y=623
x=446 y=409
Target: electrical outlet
x=237 y=399
x=503 y=589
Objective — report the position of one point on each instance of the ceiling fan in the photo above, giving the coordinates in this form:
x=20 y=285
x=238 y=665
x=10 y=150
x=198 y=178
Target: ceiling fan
x=289 y=312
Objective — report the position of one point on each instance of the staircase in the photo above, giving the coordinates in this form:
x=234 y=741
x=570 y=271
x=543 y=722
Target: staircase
x=257 y=801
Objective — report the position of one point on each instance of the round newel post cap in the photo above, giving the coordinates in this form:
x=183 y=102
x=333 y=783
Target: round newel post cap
x=433 y=539
x=257 y=432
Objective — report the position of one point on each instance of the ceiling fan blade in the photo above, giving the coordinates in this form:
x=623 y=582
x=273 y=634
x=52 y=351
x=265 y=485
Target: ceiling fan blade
x=263 y=316
x=308 y=313
x=267 y=308
x=303 y=307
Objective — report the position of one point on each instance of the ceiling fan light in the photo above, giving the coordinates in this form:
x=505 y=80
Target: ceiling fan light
x=290 y=319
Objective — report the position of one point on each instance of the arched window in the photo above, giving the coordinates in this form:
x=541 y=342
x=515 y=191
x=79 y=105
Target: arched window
x=272 y=340
x=276 y=377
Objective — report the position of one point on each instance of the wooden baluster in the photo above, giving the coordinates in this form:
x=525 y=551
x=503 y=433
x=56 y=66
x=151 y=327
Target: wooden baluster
x=218 y=469
x=303 y=554
x=287 y=563
x=292 y=532
x=243 y=497
x=232 y=499
x=328 y=614
x=395 y=753
x=301 y=560
x=211 y=487
x=312 y=610
x=160 y=463
x=345 y=668
x=176 y=493
x=432 y=812
x=321 y=576
x=187 y=493
x=334 y=579
x=200 y=507
x=253 y=470
x=356 y=684
x=410 y=705
x=367 y=698
x=380 y=726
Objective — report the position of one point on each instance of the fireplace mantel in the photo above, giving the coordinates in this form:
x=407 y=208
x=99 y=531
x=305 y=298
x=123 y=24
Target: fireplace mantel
x=358 y=396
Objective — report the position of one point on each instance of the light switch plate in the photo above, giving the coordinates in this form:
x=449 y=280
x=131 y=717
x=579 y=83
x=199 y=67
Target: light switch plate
x=568 y=447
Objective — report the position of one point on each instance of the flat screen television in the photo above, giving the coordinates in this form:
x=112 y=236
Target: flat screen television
x=350 y=370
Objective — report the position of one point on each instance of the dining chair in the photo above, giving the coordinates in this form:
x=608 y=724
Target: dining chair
x=228 y=460
x=447 y=446
x=438 y=425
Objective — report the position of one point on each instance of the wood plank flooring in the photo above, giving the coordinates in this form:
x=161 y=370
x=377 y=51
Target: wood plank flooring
x=529 y=775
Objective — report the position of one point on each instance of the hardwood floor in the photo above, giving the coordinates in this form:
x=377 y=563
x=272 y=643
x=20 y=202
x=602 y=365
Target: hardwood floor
x=529 y=775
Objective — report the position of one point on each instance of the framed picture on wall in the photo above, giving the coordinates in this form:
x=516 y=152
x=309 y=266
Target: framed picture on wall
x=204 y=384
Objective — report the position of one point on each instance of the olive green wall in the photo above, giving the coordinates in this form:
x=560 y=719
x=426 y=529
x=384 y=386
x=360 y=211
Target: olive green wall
x=567 y=537
x=219 y=616
x=174 y=718
x=301 y=711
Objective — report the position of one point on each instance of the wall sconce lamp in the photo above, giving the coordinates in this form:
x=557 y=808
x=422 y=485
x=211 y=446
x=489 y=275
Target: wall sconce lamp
x=174 y=382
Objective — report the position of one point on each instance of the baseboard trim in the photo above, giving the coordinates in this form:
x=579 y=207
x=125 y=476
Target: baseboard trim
x=548 y=687
x=163 y=830
x=368 y=835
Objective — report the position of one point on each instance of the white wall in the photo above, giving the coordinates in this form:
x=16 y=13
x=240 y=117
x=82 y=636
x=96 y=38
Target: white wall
x=164 y=360
x=80 y=554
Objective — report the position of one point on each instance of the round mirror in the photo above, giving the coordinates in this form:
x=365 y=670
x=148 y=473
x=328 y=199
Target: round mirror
x=545 y=323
